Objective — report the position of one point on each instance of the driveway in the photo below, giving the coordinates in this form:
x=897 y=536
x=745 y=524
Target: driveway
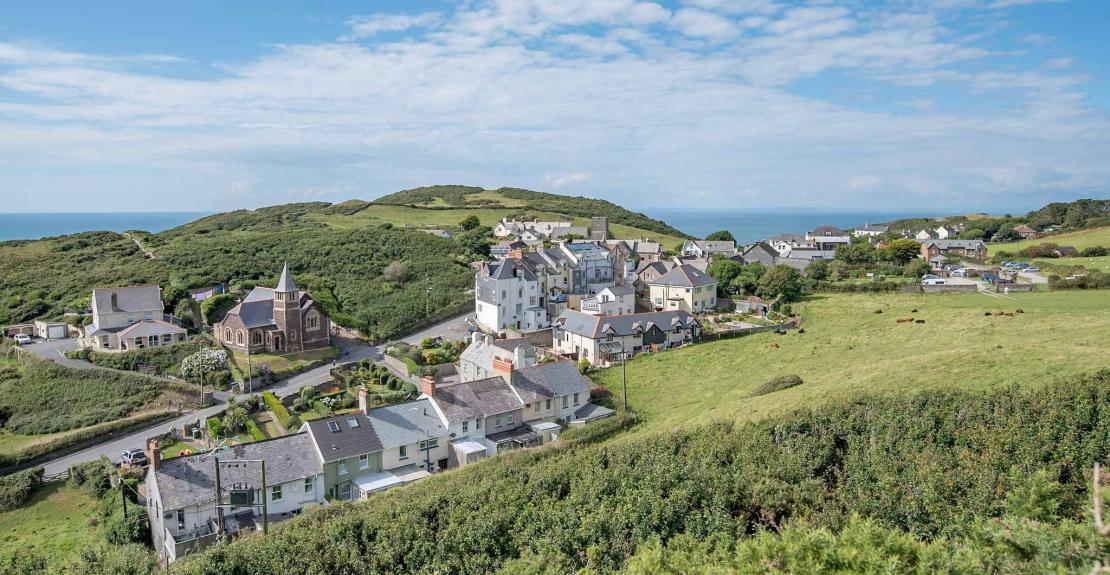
x=454 y=328
x=55 y=349
x=1033 y=277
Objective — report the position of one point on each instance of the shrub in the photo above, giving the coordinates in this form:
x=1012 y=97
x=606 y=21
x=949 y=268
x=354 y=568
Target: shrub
x=92 y=477
x=81 y=437
x=281 y=414
x=234 y=420
x=777 y=384
x=1095 y=252
x=584 y=366
x=215 y=427
x=17 y=488
x=254 y=431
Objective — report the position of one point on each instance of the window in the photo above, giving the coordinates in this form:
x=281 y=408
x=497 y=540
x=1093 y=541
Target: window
x=256 y=337
x=497 y=422
x=478 y=423
x=239 y=337
x=308 y=485
x=148 y=315
x=345 y=491
x=402 y=452
x=608 y=337
x=466 y=426
x=333 y=426
x=352 y=422
x=152 y=341
x=576 y=399
x=312 y=321
x=167 y=338
x=537 y=407
x=429 y=444
x=130 y=318
x=227 y=335
x=510 y=419
x=564 y=401
x=342 y=468
x=547 y=404
x=275 y=493
x=363 y=461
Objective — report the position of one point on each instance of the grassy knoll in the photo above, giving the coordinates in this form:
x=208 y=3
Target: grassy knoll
x=280 y=365
x=848 y=349
x=1065 y=266
x=53 y=524
x=1080 y=239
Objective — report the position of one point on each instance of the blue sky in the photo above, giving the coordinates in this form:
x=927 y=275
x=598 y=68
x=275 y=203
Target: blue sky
x=999 y=105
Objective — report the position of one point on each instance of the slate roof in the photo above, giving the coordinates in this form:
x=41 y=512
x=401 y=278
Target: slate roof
x=285 y=282
x=191 y=480
x=257 y=310
x=659 y=267
x=762 y=246
x=406 y=423
x=787 y=237
x=148 y=328
x=826 y=231
x=593 y=326
x=684 y=276
x=349 y=441
x=129 y=299
x=873 y=228
x=475 y=399
x=963 y=244
x=620 y=290
x=504 y=269
x=548 y=380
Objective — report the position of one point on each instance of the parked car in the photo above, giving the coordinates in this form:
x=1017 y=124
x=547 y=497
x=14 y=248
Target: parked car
x=930 y=277
x=22 y=339
x=934 y=281
x=959 y=273
x=133 y=458
x=1031 y=269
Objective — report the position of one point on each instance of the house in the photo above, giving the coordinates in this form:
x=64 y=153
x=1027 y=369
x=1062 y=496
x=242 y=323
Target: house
x=685 y=288
x=612 y=300
x=129 y=318
x=507 y=295
x=507 y=228
x=601 y=339
x=642 y=250
x=810 y=254
x=476 y=361
x=828 y=237
x=648 y=272
x=926 y=234
x=945 y=232
x=1025 y=232
x=592 y=267
x=503 y=249
x=532 y=237
x=954 y=249
x=870 y=230
x=275 y=320
x=764 y=253
x=181 y=492
x=705 y=249
x=784 y=243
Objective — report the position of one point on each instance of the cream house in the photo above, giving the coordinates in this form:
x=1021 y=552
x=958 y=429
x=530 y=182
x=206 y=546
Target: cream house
x=602 y=339
x=127 y=318
x=683 y=288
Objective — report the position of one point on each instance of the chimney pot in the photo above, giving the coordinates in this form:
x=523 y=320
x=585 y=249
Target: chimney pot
x=153 y=455
x=428 y=386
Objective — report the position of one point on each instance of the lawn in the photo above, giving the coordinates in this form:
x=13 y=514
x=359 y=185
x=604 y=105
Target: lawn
x=281 y=365
x=54 y=523
x=1079 y=240
x=846 y=348
x=1059 y=265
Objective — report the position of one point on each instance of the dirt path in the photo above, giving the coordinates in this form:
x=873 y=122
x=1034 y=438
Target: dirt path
x=145 y=251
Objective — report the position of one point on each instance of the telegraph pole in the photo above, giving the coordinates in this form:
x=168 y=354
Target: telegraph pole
x=624 y=378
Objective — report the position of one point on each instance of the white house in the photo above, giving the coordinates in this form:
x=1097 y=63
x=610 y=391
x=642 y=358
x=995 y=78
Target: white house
x=508 y=295
x=684 y=287
x=828 y=237
x=706 y=248
x=128 y=318
x=611 y=300
x=476 y=361
x=870 y=230
x=601 y=339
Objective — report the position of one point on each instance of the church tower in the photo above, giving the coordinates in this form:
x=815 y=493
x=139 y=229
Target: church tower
x=287 y=313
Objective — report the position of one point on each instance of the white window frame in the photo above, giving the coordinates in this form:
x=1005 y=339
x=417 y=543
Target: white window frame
x=341 y=467
x=275 y=492
x=364 y=461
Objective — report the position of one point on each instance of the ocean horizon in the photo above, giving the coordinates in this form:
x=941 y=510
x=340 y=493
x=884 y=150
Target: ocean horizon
x=34 y=226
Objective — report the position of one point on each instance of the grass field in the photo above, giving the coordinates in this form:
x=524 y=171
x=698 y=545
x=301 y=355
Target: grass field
x=848 y=349
x=1081 y=239
x=1059 y=265
x=284 y=364
x=54 y=522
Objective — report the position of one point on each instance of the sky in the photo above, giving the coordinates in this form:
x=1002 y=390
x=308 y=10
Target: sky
x=991 y=105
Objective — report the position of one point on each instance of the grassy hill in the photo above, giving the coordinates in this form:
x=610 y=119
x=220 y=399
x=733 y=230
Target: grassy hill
x=847 y=349
x=1079 y=239
x=339 y=253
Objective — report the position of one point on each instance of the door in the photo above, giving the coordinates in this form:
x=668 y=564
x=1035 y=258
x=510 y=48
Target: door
x=56 y=332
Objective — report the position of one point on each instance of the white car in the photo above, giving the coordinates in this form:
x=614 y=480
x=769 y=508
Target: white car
x=1031 y=270
x=22 y=339
x=930 y=277
x=932 y=282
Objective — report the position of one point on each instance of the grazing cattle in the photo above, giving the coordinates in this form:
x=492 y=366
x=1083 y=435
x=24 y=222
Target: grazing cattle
x=919 y=321
x=1008 y=314
x=877 y=311
x=999 y=313
x=774 y=346
x=988 y=314
x=906 y=320
x=914 y=310
x=1019 y=311
x=801 y=330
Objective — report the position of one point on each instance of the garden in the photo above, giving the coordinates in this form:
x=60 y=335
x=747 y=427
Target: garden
x=385 y=388
x=163 y=360
x=422 y=360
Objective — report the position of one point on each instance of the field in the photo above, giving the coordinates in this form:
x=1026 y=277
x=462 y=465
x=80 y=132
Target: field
x=846 y=349
x=1079 y=240
x=54 y=523
x=284 y=364
x=1058 y=265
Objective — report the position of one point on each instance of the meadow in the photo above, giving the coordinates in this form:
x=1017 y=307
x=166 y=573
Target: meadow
x=848 y=349
x=1079 y=239
x=54 y=523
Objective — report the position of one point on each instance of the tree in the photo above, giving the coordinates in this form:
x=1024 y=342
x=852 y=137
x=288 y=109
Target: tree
x=721 y=236
x=475 y=241
x=203 y=362
x=724 y=271
x=1007 y=234
x=973 y=234
x=782 y=282
x=838 y=270
x=470 y=222
x=745 y=282
x=855 y=253
x=918 y=268
x=903 y=250
x=818 y=270
x=235 y=420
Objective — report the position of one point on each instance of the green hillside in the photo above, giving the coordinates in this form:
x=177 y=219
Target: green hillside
x=1080 y=239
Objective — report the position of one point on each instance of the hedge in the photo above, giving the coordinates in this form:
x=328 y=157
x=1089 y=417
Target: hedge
x=777 y=384
x=281 y=414
x=17 y=488
x=255 y=433
x=80 y=438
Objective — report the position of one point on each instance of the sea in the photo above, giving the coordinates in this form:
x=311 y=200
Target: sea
x=36 y=226
x=748 y=226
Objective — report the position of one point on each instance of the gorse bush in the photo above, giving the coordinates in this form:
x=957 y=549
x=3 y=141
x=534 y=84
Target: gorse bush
x=921 y=468
x=777 y=384
x=165 y=359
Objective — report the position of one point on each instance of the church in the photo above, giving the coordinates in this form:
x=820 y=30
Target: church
x=277 y=320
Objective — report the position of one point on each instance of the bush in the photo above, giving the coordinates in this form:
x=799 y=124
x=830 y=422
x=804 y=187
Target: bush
x=254 y=431
x=92 y=477
x=583 y=366
x=17 y=488
x=777 y=384
x=81 y=437
x=165 y=359
x=281 y=414
x=1095 y=252
x=215 y=427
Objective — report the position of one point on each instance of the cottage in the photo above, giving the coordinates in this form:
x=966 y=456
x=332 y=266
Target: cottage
x=707 y=248
x=277 y=320
x=129 y=318
x=828 y=237
x=954 y=249
x=476 y=361
x=1026 y=232
x=602 y=340
x=685 y=288
x=612 y=300
x=870 y=230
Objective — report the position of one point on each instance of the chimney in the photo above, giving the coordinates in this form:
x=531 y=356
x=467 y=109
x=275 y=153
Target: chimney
x=504 y=368
x=519 y=357
x=514 y=270
x=517 y=253
x=115 y=302
x=428 y=385
x=153 y=455
x=364 y=399
x=476 y=337
x=488 y=338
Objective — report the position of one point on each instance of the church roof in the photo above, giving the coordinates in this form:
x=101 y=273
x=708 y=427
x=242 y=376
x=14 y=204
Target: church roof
x=285 y=284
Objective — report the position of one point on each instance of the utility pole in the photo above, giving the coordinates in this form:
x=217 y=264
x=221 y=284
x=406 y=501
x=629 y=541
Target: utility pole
x=219 y=502
x=122 y=498
x=624 y=378
x=250 y=372
x=265 y=509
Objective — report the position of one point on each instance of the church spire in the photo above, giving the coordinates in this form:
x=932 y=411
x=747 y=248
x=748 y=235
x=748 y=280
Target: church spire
x=285 y=283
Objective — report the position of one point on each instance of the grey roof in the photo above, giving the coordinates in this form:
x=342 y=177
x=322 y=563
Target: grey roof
x=593 y=326
x=257 y=310
x=824 y=231
x=475 y=399
x=131 y=299
x=964 y=244
x=482 y=354
x=762 y=246
x=191 y=480
x=620 y=290
x=504 y=269
x=684 y=276
x=406 y=423
x=348 y=441
x=787 y=237
x=714 y=246
x=536 y=262
x=873 y=228
x=148 y=328
x=660 y=267
x=285 y=282
x=592 y=411
x=548 y=380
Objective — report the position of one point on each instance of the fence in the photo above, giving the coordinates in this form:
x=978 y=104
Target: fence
x=743 y=331
x=946 y=288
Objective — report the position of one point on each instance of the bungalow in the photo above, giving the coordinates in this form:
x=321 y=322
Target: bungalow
x=870 y=230
x=601 y=340
x=130 y=318
x=706 y=248
x=1026 y=232
x=828 y=237
x=684 y=287
x=181 y=494
x=954 y=249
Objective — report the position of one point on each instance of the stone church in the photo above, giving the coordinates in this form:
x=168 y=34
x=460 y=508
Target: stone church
x=277 y=320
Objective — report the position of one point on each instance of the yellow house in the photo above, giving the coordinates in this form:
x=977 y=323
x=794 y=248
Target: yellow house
x=684 y=288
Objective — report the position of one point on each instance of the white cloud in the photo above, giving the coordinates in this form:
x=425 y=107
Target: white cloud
x=702 y=24
x=367 y=26
x=559 y=182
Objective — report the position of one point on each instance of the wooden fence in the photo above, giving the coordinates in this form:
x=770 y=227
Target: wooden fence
x=743 y=331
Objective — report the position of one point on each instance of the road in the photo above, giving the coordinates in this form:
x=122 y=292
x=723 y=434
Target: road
x=454 y=328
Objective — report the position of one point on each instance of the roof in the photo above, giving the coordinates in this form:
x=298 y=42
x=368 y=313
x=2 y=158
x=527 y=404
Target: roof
x=1022 y=228
x=381 y=480
x=764 y=246
x=257 y=310
x=548 y=380
x=129 y=299
x=592 y=411
x=964 y=244
x=659 y=267
x=148 y=328
x=482 y=353
x=474 y=399
x=593 y=326
x=714 y=246
x=285 y=282
x=191 y=480
x=821 y=231
x=685 y=276
x=406 y=423
x=504 y=270
x=348 y=440
x=873 y=228
x=620 y=290
x=787 y=237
